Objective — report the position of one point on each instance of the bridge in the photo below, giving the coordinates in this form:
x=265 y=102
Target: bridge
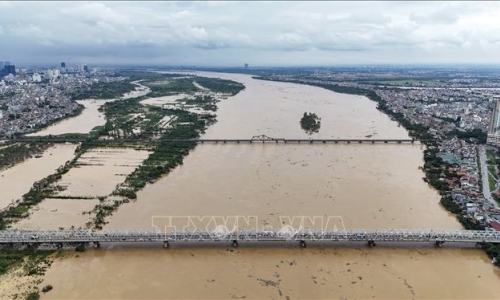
x=254 y=139
x=61 y=238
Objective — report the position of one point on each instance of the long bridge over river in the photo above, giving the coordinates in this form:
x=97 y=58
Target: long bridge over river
x=254 y=139
x=62 y=238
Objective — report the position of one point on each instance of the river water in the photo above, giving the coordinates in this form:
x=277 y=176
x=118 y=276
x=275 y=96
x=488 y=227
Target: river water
x=90 y=116
x=18 y=180
x=368 y=186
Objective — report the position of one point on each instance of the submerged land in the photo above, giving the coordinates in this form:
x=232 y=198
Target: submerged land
x=178 y=104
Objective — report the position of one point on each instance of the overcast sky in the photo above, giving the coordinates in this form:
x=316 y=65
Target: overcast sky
x=213 y=33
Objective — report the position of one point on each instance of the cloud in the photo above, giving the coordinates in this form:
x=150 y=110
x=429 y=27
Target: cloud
x=223 y=32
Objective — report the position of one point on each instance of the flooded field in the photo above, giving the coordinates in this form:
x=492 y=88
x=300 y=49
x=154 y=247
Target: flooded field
x=99 y=170
x=53 y=214
x=17 y=181
x=160 y=101
x=369 y=186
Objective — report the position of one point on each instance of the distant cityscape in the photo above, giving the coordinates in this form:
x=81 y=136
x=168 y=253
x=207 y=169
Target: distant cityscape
x=32 y=98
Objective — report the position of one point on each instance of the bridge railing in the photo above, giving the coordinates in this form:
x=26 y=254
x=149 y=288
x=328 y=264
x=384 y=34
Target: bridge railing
x=401 y=235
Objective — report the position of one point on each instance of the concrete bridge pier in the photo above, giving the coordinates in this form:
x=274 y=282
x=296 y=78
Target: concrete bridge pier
x=166 y=244
x=303 y=244
x=97 y=245
x=235 y=244
x=31 y=246
x=371 y=243
x=439 y=244
x=59 y=246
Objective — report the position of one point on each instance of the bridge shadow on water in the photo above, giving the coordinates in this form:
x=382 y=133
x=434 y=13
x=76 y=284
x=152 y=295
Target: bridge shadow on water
x=253 y=245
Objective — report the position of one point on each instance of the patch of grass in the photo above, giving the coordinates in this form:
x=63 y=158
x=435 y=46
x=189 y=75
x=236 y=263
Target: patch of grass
x=492 y=183
x=491 y=156
x=36 y=261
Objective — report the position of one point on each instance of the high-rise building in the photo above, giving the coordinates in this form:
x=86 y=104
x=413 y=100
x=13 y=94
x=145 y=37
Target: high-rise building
x=1 y=65
x=8 y=69
x=63 y=65
x=494 y=128
x=246 y=66
x=85 y=68
x=6 y=63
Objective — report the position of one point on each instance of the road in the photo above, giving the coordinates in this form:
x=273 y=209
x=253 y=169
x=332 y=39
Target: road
x=484 y=175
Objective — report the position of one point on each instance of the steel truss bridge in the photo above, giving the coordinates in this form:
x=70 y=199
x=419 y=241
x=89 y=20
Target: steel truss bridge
x=61 y=238
x=254 y=139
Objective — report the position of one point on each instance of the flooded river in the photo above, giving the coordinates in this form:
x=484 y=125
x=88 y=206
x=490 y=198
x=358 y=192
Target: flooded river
x=367 y=186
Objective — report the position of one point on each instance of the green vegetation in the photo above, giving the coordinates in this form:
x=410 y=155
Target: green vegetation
x=33 y=296
x=310 y=123
x=491 y=182
x=171 y=87
x=493 y=251
x=218 y=85
x=473 y=136
x=104 y=90
x=18 y=152
x=35 y=262
x=450 y=205
x=491 y=156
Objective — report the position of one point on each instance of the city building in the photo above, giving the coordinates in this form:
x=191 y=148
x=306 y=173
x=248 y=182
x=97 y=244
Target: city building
x=63 y=65
x=8 y=69
x=494 y=127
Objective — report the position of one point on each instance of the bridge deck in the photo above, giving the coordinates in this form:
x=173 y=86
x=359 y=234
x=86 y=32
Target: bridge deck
x=79 y=236
x=235 y=141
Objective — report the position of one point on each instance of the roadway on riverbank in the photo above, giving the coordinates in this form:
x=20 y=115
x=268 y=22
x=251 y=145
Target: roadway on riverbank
x=484 y=175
